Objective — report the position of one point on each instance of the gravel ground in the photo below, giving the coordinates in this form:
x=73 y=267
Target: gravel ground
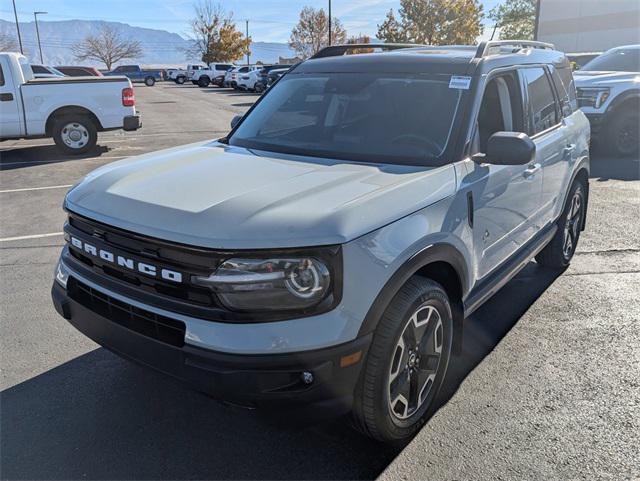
x=547 y=386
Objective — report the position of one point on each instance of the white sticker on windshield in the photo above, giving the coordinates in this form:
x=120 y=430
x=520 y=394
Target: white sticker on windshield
x=458 y=82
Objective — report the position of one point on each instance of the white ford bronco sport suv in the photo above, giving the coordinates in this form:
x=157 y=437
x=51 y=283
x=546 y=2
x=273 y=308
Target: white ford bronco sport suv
x=321 y=257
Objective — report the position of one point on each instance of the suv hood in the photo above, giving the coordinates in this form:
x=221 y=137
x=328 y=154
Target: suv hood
x=212 y=195
x=603 y=79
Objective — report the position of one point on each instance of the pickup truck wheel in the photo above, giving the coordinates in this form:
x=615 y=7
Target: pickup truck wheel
x=75 y=134
x=558 y=253
x=149 y=81
x=203 y=82
x=406 y=364
x=180 y=80
x=624 y=132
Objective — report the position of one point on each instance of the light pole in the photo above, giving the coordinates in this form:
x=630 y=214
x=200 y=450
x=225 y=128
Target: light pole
x=15 y=13
x=248 y=54
x=35 y=16
x=329 y=22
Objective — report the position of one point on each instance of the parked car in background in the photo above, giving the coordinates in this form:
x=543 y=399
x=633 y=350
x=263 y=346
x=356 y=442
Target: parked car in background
x=609 y=94
x=233 y=75
x=72 y=110
x=261 y=80
x=137 y=74
x=44 y=71
x=275 y=74
x=77 y=71
x=213 y=74
x=578 y=60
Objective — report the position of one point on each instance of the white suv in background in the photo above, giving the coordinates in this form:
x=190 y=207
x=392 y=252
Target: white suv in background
x=232 y=77
x=214 y=74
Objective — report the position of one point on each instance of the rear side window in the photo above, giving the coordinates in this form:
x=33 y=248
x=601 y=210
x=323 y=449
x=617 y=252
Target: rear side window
x=542 y=105
x=566 y=88
x=1 y=76
x=39 y=69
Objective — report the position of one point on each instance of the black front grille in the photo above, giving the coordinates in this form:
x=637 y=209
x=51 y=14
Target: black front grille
x=160 y=328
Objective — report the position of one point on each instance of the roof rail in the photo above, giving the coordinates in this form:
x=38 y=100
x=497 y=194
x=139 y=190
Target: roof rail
x=338 y=50
x=484 y=47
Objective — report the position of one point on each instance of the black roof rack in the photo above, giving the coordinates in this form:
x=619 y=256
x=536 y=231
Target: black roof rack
x=484 y=47
x=338 y=50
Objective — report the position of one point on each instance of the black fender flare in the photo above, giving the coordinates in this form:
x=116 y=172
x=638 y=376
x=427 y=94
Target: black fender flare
x=439 y=252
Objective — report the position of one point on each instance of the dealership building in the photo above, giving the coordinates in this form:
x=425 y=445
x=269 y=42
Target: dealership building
x=588 y=25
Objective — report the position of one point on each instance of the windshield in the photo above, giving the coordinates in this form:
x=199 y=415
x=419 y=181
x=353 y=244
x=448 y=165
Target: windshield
x=616 y=61
x=388 y=118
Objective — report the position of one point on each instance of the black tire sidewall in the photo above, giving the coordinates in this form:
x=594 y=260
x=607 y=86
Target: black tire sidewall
x=180 y=80
x=389 y=428
x=617 y=123
x=149 y=81
x=84 y=121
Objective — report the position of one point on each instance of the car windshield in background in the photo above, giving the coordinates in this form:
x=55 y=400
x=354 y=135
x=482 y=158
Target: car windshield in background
x=386 y=118
x=616 y=61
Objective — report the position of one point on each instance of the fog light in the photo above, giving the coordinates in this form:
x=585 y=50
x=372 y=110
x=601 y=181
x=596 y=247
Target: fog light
x=306 y=377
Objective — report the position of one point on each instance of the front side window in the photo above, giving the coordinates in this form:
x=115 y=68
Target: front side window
x=388 y=118
x=616 y=61
x=542 y=104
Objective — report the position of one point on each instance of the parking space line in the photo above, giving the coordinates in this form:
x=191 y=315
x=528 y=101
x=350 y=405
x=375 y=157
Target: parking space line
x=35 y=236
x=60 y=161
x=36 y=188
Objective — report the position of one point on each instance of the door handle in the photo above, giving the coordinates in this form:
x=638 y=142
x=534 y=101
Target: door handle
x=531 y=171
x=568 y=150
x=6 y=97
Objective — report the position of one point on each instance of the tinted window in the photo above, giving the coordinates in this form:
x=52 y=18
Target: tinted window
x=223 y=67
x=39 y=69
x=542 y=104
x=1 y=76
x=388 y=118
x=565 y=86
x=617 y=61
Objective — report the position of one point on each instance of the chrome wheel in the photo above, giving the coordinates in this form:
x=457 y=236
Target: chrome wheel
x=74 y=135
x=414 y=362
x=572 y=225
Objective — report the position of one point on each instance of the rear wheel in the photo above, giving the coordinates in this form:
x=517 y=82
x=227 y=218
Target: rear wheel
x=203 y=82
x=559 y=252
x=406 y=364
x=180 y=80
x=624 y=132
x=149 y=81
x=75 y=134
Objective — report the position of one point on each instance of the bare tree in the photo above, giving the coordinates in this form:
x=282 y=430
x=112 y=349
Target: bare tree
x=108 y=47
x=214 y=35
x=8 y=43
x=312 y=32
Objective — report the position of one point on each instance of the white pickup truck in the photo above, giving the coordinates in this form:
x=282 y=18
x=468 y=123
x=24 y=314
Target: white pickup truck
x=72 y=110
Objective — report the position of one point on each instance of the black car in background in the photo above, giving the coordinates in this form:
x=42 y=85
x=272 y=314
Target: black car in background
x=275 y=74
x=263 y=74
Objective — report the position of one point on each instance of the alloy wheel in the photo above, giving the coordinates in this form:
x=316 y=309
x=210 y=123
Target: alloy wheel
x=572 y=225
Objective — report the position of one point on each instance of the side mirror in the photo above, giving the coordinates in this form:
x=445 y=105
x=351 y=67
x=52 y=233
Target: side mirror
x=235 y=121
x=509 y=148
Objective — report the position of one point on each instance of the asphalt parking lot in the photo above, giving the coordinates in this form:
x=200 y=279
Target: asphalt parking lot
x=548 y=386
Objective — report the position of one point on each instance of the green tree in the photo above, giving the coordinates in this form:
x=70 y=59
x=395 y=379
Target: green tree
x=214 y=35
x=311 y=34
x=434 y=22
x=516 y=19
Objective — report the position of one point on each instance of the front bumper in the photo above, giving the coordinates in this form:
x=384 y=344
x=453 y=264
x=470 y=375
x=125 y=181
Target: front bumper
x=131 y=122
x=256 y=381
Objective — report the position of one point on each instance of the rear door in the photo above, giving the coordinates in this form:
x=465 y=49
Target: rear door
x=11 y=122
x=554 y=149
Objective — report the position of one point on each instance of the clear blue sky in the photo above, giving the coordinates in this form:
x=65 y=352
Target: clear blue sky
x=270 y=20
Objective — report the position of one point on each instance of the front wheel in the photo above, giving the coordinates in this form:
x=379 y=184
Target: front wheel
x=624 y=132
x=559 y=252
x=406 y=364
x=75 y=134
x=149 y=81
x=203 y=82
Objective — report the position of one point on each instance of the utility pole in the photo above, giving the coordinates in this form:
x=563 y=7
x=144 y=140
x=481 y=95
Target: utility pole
x=15 y=12
x=35 y=16
x=329 y=22
x=248 y=51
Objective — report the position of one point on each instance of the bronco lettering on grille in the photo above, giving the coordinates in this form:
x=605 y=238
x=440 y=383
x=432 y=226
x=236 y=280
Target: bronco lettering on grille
x=127 y=263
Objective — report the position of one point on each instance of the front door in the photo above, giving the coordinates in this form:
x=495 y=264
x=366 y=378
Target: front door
x=506 y=197
x=11 y=124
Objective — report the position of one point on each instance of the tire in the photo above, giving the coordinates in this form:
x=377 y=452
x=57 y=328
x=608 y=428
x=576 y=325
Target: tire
x=194 y=82
x=420 y=306
x=623 y=134
x=75 y=134
x=180 y=80
x=557 y=254
x=258 y=88
x=203 y=82
x=149 y=81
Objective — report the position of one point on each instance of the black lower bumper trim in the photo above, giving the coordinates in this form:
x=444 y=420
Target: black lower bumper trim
x=272 y=381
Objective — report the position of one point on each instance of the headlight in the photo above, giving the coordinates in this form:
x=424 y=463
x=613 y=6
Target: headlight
x=592 y=97
x=270 y=284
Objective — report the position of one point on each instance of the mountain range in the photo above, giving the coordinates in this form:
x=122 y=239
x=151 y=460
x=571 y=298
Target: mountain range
x=160 y=48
